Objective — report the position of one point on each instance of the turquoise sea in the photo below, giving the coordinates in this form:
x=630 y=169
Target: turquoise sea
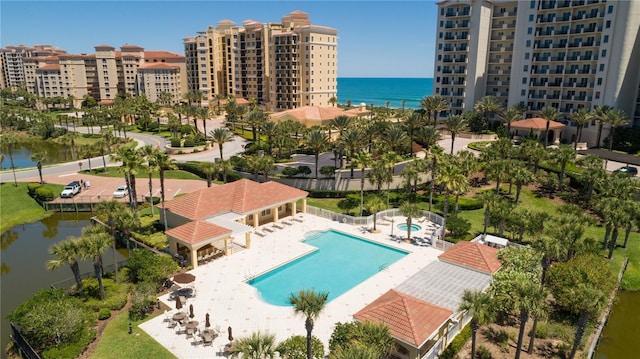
x=378 y=91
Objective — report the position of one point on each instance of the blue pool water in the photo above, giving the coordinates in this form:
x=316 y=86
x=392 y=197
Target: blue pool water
x=340 y=263
x=414 y=227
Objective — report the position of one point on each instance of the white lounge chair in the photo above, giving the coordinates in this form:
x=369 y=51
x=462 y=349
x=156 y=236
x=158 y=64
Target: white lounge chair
x=298 y=219
x=260 y=233
x=268 y=229
x=287 y=222
x=278 y=225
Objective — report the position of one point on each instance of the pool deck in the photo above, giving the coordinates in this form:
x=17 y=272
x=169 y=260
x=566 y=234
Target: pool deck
x=222 y=292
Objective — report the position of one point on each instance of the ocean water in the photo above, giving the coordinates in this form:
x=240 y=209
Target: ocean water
x=378 y=91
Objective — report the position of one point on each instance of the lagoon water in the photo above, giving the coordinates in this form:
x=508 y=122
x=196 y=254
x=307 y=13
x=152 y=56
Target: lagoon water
x=378 y=91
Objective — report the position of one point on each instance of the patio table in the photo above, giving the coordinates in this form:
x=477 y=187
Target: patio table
x=191 y=324
x=179 y=317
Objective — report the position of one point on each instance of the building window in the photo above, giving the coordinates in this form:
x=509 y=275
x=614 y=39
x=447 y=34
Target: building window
x=608 y=24
x=524 y=80
x=528 y=43
x=526 y=56
x=530 y=30
x=601 y=67
x=266 y=212
x=610 y=9
x=606 y=39
x=599 y=80
x=531 y=17
x=523 y=92
x=604 y=53
x=533 y=4
x=598 y=94
x=526 y=68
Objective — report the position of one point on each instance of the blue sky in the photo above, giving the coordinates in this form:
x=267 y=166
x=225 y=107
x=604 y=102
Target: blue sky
x=376 y=38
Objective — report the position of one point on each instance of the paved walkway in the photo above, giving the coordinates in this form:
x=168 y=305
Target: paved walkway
x=222 y=290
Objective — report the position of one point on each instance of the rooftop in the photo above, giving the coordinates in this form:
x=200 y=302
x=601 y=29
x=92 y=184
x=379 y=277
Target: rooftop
x=474 y=256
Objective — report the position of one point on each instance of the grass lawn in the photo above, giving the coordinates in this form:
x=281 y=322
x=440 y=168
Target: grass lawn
x=330 y=204
x=17 y=207
x=172 y=174
x=116 y=341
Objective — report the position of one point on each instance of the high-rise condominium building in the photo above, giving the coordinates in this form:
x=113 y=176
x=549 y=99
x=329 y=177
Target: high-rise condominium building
x=103 y=74
x=12 y=65
x=281 y=65
x=565 y=54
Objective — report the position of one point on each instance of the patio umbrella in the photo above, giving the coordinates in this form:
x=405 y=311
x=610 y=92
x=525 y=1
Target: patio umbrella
x=191 y=311
x=230 y=334
x=184 y=278
x=178 y=303
x=207 y=324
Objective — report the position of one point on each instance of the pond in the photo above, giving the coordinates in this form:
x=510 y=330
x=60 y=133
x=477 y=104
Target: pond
x=56 y=153
x=25 y=251
x=620 y=336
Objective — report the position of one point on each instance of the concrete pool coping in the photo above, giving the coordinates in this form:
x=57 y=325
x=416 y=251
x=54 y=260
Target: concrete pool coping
x=222 y=290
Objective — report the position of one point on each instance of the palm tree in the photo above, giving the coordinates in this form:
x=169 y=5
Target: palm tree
x=452 y=181
x=563 y=155
x=488 y=105
x=411 y=211
x=147 y=152
x=38 y=157
x=209 y=169
x=93 y=243
x=356 y=351
x=529 y=300
x=412 y=123
x=455 y=124
x=433 y=105
x=101 y=145
x=374 y=204
x=131 y=165
x=110 y=210
x=362 y=160
x=255 y=119
x=126 y=221
x=317 y=141
x=9 y=141
x=310 y=304
x=221 y=136
x=428 y=137
x=67 y=252
x=508 y=116
x=164 y=163
x=351 y=139
x=581 y=118
x=490 y=199
x=479 y=304
x=520 y=176
x=592 y=174
x=225 y=167
x=550 y=114
x=203 y=114
x=257 y=346
x=615 y=118
x=589 y=301
x=599 y=114
x=333 y=100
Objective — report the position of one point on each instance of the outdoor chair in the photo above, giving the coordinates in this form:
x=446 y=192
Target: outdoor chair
x=189 y=332
x=172 y=323
x=179 y=327
x=167 y=316
x=207 y=340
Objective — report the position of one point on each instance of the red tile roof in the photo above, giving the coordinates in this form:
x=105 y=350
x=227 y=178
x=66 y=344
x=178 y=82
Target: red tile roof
x=197 y=231
x=243 y=196
x=473 y=255
x=157 y=65
x=409 y=319
x=49 y=67
x=162 y=55
x=536 y=124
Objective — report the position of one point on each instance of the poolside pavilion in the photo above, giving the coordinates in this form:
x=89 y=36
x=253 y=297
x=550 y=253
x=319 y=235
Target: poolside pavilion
x=537 y=125
x=204 y=223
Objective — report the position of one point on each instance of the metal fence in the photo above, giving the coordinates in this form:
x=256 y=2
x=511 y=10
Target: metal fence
x=81 y=203
x=69 y=282
x=25 y=349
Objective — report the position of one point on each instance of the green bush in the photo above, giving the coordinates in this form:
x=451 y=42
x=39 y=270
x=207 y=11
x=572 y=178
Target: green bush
x=483 y=352
x=289 y=171
x=175 y=142
x=104 y=313
x=327 y=171
x=32 y=187
x=115 y=294
x=44 y=194
x=542 y=330
x=458 y=226
x=142 y=301
x=295 y=347
x=189 y=142
x=71 y=349
x=456 y=344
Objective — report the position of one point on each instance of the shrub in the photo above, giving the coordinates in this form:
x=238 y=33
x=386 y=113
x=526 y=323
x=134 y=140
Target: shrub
x=483 y=352
x=295 y=347
x=456 y=344
x=304 y=170
x=44 y=194
x=115 y=294
x=175 y=142
x=142 y=301
x=104 y=313
x=32 y=187
x=327 y=171
x=542 y=330
x=289 y=171
x=189 y=142
x=458 y=226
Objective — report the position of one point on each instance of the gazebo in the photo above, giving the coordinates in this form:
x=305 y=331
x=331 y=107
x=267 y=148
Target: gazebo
x=537 y=125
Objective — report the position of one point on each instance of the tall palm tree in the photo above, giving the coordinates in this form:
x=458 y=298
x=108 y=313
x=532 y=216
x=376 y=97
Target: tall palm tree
x=412 y=123
x=310 y=304
x=164 y=163
x=110 y=210
x=563 y=156
x=374 y=204
x=132 y=163
x=316 y=140
x=452 y=181
x=589 y=301
x=225 y=167
x=529 y=300
x=352 y=140
x=255 y=119
x=455 y=124
x=433 y=105
x=203 y=114
x=126 y=221
x=490 y=200
x=599 y=114
x=221 y=136
x=38 y=157
x=488 y=105
x=93 y=243
x=362 y=160
x=512 y=114
x=147 y=152
x=411 y=211
x=9 y=141
x=67 y=252
x=257 y=346
x=550 y=114
x=428 y=136
x=592 y=174
x=581 y=118
x=520 y=176
x=103 y=145
x=479 y=304
x=615 y=118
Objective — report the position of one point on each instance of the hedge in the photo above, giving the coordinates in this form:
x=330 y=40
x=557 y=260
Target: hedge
x=457 y=343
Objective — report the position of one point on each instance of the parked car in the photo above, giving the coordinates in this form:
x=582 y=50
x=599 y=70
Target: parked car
x=71 y=190
x=631 y=171
x=121 y=191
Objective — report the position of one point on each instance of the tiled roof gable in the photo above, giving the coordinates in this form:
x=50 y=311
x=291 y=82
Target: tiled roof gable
x=473 y=255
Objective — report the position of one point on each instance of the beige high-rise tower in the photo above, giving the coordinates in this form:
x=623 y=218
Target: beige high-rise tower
x=280 y=65
x=565 y=54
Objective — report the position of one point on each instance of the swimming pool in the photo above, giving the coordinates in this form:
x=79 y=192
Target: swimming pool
x=340 y=262
x=414 y=227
